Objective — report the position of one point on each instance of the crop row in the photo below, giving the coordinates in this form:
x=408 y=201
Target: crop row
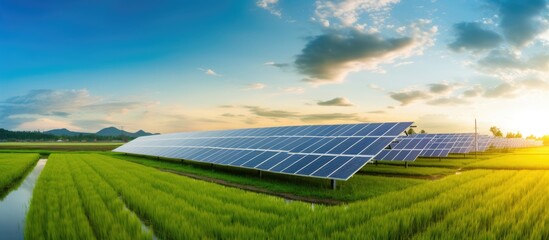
x=470 y=205
x=491 y=204
x=176 y=207
x=70 y=201
x=13 y=166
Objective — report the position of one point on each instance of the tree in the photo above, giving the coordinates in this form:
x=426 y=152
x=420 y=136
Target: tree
x=513 y=135
x=496 y=131
x=423 y=131
x=518 y=135
x=532 y=137
x=411 y=131
x=545 y=139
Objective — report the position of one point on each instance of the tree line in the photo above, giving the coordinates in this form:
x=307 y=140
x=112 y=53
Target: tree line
x=36 y=136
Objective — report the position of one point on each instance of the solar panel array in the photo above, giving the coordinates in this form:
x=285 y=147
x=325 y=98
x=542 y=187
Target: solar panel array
x=503 y=143
x=464 y=143
x=405 y=148
x=321 y=151
x=483 y=143
x=408 y=148
x=440 y=146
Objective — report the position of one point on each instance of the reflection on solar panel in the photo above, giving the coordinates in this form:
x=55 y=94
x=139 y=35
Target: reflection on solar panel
x=322 y=151
x=405 y=148
x=483 y=143
x=440 y=146
x=502 y=143
x=464 y=143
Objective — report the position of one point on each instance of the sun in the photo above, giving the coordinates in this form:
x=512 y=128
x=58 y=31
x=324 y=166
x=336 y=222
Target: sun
x=527 y=119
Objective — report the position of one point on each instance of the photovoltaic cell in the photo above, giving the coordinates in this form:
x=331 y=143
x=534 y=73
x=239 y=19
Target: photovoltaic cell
x=405 y=148
x=323 y=151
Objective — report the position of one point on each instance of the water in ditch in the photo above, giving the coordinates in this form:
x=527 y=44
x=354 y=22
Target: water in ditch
x=14 y=207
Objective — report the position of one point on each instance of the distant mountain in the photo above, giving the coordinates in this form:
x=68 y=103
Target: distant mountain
x=65 y=132
x=105 y=132
x=112 y=131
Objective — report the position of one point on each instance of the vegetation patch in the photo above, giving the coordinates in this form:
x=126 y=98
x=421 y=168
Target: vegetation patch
x=56 y=147
x=486 y=204
x=72 y=201
x=13 y=168
x=514 y=161
x=359 y=187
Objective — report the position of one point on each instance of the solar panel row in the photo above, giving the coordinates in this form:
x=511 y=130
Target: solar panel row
x=329 y=151
x=404 y=148
x=408 y=148
x=322 y=151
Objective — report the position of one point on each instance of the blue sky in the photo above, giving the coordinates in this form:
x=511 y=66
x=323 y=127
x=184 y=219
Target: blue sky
x=168 y=66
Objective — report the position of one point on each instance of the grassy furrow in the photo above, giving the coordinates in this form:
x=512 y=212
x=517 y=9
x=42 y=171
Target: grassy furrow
x=107 y=214
x=406 y=222
x=523 y=215
x=321 y=224
x=486 y=204
x=538 y=219
x=189 y=199
x=13 y=167
x=359 y=187
x=482 y=208
x=56 y=210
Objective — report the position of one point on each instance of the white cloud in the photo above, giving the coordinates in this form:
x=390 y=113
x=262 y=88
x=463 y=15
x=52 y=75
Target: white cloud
x=347 y=13
x=74 y=109
x=209 y=71
x=293 y=90
x=255 y=86
x=45 y=123
x=330 y=57
x=339 y=102
x=376 y=87
x=270 y=5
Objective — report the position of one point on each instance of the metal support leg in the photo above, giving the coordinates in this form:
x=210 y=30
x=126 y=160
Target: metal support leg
x=405 y=164
x=333 y=184
x=260 y=173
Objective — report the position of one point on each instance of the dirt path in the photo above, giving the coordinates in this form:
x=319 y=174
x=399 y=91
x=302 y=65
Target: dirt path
x=288 y=196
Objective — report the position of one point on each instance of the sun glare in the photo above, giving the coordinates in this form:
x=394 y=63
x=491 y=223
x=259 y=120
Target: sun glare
x=528 y=120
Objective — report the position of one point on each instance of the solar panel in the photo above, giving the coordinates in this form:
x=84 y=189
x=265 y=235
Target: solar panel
x=464 y=143
x=322 y=151
x=405 y=148
x=440 y=146
x=483 y=142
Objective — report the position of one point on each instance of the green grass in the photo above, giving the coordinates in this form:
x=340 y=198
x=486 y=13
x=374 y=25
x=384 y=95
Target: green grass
x=526 y=160
x=452 y=161
x=13 y=167
x=49 y=147
x=359 y=187
x=477 y=204
x=71 y=201
x=176 y=207
x=412 y=170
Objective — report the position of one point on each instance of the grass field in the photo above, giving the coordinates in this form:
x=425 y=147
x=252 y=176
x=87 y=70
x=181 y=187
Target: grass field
x=481 y=204
x=410 y=171
x=48 y=147
x=71 y=201
x=359 y=187
x=13 y=167
x=521 y=160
